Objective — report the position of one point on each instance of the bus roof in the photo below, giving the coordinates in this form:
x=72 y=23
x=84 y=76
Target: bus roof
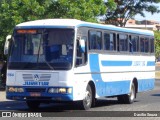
x=61 y=23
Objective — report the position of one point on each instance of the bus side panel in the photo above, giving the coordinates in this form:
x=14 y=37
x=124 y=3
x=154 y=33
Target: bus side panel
x=113 y=74
x=145 y=84
x=103 y=86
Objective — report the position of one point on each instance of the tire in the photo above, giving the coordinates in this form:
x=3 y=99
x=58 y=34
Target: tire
x=128 y=98
x=121 y=99
x=33 y=104
x=87 y=101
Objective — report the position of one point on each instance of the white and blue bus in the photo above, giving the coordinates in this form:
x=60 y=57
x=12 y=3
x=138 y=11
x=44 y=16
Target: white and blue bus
x=71 y=60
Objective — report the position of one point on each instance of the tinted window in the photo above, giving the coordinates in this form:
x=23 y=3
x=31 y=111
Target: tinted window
x=95 y=40
x=109 y=41
x=31 y=45
x=123 y=43
x=43 y=49
x=152 y=45
x=144 y=45
x=134 y=44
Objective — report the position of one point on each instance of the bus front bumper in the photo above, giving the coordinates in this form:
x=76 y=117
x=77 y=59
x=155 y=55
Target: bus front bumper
x=39 y=94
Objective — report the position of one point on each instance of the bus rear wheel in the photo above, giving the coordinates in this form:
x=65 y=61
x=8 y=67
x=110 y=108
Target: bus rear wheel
x=33 y=104
x=128 y=98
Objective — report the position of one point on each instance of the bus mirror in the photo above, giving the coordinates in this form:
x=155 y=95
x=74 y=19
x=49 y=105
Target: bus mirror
x=6 y=46
x=82 y=45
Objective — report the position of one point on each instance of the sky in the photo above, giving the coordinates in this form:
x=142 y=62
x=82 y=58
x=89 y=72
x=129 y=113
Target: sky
x=149 y=16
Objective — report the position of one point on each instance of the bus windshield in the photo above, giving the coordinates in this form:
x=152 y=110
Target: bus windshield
x=41 y=49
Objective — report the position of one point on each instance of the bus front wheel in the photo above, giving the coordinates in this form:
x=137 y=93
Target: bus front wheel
x=33 y=104
x=86 y=103
x=128 y=98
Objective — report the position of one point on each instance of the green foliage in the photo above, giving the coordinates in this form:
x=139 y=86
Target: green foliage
x=13 y=12
x=86 y=10
x=127 y=9
x=157 y=43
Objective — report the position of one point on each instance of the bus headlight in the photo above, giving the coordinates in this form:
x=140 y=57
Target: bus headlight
x=53 y=90
x=69 y=90
x=60 y=90
x=20 y=90
x=15 y=89
x=11 y=89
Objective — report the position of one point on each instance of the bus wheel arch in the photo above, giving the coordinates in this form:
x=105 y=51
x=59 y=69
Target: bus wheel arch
x=135 y=82
x=91 y=83
x=89 y=97
x=129 y=98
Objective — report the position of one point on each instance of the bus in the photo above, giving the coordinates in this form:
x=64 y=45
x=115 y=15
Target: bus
x=69 y=60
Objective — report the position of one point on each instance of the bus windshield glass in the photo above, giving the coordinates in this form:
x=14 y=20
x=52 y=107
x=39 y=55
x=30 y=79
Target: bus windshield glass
x=41 y=49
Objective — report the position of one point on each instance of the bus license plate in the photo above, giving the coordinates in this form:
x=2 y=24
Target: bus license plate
x=35 y=94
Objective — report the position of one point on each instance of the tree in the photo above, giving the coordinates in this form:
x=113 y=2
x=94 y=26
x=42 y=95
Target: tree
x=86 y=10
x=127 y=9
x=157 y=43
x=13 y=12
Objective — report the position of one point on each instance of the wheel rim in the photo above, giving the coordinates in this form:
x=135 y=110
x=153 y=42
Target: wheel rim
x=132 y=94
x=88 y=98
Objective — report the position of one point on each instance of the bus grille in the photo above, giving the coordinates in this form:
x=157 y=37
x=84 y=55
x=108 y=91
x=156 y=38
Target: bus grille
x=41 y=77
x=35 y=89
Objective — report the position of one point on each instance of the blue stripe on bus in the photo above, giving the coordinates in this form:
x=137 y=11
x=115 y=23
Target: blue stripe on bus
x=116 y=63
x=123 y=63
x=94 y=67
x=151 y=63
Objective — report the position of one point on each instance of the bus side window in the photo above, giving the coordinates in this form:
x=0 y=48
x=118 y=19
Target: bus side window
x=135 y=43
x=106 y=41
x=114 y=41
x=99 y=40
x=152 y=45
x=95 y=40
x=130 y=44
x=141 y=44
x=109 y=41
x=144 y=44
x=81 y=57
x=117 y=42
x=123 y=42
x=92 y=38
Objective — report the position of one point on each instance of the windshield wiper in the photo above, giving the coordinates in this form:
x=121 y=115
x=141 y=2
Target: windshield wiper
x=48 y=64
